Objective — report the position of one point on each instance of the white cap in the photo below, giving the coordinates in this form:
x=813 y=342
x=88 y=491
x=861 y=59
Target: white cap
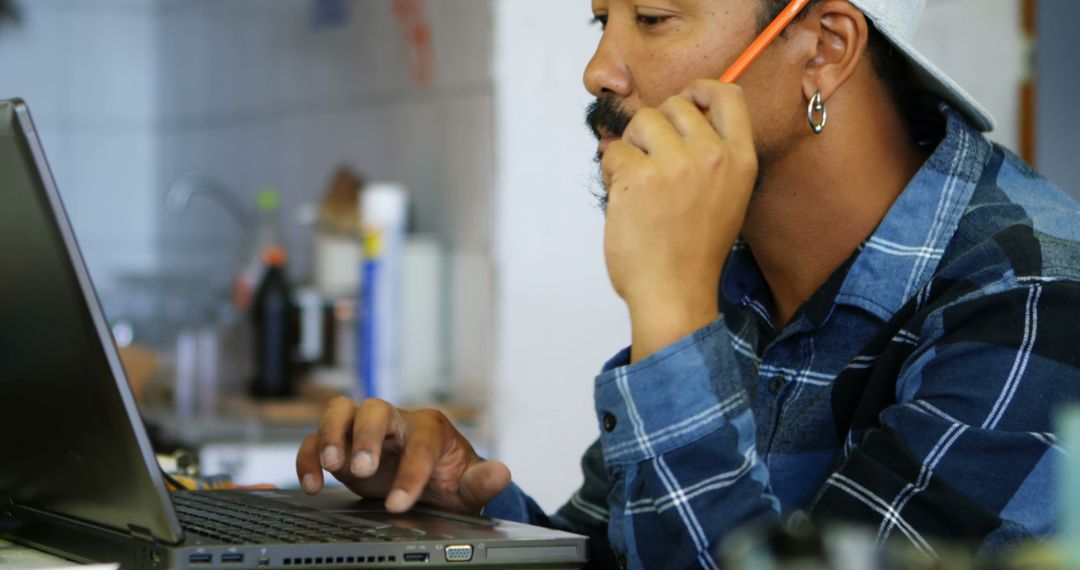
x=383 y=204
x=897 y=20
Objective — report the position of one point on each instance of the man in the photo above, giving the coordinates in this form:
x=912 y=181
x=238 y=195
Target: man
x=896 y=317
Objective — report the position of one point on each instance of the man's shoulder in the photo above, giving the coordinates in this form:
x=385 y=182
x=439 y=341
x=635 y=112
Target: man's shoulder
x=1018 y=227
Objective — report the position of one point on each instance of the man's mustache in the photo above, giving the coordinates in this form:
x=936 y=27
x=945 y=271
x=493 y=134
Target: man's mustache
x=605 y=114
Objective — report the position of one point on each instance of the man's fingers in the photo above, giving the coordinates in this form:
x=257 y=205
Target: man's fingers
x=371 y=424
x=687 y=118
x=333 y=427
x=618 y=156
x=417 y=463
x=651 y=131
x=308 y=468
x=482 y=482
x=726 y=107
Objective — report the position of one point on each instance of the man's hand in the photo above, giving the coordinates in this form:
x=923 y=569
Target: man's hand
x=377 y=450
x=679 y=183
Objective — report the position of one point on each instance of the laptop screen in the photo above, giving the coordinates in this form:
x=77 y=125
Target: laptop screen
x=71 y=442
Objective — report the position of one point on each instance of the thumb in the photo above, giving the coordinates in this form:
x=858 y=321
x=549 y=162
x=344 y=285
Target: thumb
x=482 y=482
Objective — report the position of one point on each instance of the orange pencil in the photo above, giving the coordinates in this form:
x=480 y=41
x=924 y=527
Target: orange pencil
x=775 y=28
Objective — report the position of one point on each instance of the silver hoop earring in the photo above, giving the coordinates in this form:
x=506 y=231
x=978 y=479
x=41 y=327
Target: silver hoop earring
x=817 y=107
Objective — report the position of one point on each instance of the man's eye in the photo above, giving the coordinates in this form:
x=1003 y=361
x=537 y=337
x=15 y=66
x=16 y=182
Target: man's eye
x=646 y=21
x=600 y=19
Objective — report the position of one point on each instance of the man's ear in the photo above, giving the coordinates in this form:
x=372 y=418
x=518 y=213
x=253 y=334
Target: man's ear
x=842 y=34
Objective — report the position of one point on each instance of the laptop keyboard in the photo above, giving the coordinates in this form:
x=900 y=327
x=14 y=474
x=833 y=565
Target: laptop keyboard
x=235 y=521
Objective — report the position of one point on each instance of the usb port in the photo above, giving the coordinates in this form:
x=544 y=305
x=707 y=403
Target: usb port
x=200 y=559
x=232 y=558
x=416 y=557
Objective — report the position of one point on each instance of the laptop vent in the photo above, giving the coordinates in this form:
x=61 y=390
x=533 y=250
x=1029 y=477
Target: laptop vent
x=340 y=560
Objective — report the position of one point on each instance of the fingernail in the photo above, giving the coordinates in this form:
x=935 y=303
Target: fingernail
x=309 y=485
x=331 y=457
x=397 y=501
x=363 y=464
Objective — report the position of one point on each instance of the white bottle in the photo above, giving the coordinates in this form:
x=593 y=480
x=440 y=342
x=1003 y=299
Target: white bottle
x=383 y=209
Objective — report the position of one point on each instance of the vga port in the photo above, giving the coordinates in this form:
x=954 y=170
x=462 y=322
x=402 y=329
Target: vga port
x=459 y=553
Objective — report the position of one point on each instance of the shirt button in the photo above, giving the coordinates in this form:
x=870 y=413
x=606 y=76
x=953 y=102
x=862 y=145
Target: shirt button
x=775 y=384
x=609 y=422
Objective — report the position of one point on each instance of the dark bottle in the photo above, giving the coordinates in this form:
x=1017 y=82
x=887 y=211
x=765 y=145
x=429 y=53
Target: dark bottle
x=272 y=314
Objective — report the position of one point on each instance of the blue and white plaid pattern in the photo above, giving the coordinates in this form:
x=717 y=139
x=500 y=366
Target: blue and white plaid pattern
x=933 y=358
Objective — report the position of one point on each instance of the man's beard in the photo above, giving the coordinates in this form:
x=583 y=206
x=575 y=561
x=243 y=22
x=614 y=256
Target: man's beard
x=605 y=113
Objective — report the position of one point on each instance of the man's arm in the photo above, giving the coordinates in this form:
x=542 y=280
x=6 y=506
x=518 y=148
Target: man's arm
x=676 y=466
x=679 y=445
x=677 y=435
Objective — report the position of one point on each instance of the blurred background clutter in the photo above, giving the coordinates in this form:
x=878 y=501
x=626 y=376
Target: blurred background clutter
x=285 y=200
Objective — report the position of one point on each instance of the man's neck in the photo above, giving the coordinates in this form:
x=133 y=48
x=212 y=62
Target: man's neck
x=826 y=196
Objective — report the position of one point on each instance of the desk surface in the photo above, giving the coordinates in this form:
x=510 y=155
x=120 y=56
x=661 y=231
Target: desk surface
x=18 y=557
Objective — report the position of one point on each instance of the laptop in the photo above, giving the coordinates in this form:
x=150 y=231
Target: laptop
x=78 y=477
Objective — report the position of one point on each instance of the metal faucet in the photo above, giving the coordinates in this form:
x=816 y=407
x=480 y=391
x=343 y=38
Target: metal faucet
x=184 y=188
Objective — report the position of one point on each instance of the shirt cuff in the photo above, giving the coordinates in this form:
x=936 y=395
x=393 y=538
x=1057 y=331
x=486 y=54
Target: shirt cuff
x=670 y=399
x=512 y=505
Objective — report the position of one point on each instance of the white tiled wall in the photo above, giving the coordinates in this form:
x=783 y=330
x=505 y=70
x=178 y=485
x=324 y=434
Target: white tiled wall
x=252 y=93
x=130 y=95
x=85 y=69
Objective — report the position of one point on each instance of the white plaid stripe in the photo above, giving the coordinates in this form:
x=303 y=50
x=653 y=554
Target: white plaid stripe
x=1050 y=440
x=596 y=512
x=1035 y=279
x=716 y=482
x=937 y=229
x=921 y=482
x=879 y=506
x=905 y=337
x=893 y=248
x=805 y=376
x=928 y=407
x=861 y=362
x=1031 y=325
x=689 y=425
x=641 y=437
x=923 y=296
x=743 y=347
x=686 y=513
x=760 y=309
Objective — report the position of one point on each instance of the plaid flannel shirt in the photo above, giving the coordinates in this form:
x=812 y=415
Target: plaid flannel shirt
x=913 y=392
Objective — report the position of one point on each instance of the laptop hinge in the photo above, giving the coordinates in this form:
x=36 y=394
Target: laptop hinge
x=141 y=533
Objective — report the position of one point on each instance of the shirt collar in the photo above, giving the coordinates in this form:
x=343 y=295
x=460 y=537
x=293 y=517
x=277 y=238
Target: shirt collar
x=900 y=256
x=903 y=253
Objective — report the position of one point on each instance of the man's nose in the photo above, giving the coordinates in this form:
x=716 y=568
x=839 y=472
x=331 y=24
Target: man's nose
x=607 y=73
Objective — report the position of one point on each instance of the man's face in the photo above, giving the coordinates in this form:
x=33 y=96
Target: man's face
x=652 y=49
